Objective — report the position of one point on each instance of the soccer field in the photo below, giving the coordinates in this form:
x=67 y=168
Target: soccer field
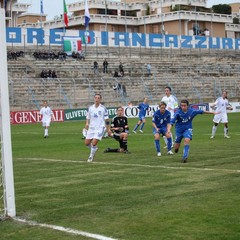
x=125 y=196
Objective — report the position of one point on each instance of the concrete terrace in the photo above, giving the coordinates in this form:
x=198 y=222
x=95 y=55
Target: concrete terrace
x=198 y=75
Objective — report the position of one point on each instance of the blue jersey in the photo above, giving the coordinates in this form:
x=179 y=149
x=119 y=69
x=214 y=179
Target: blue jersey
x=143 y=107
x=161 y=120
x=184 y=119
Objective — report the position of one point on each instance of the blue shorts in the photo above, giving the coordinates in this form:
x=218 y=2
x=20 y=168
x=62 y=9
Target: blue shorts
x=183 y=134
x=162 y=131
x=141 y=117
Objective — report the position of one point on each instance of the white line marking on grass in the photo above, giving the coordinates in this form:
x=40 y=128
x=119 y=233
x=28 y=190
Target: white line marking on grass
x=40 y=133
x=134 y=165
x=66 y=230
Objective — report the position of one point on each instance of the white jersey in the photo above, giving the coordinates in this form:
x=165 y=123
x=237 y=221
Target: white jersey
x=46 y=113
x=221 y=105
x=172 y=103
x=97 y=116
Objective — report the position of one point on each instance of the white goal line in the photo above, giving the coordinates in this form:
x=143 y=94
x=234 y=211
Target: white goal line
x=63 y=229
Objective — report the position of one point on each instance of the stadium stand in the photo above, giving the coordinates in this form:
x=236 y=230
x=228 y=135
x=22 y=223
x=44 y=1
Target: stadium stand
x=197 y=75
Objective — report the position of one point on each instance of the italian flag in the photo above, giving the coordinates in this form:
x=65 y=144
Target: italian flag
x=70 y=45
x=65 y=16
x=86 y=39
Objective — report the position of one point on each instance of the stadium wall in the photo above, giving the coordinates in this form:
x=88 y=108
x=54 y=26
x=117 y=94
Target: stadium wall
x=40 y=36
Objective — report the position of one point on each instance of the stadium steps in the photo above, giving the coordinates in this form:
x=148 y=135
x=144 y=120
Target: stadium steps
x=188 y=76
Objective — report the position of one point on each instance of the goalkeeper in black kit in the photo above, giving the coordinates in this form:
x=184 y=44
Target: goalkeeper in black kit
x=119 y=127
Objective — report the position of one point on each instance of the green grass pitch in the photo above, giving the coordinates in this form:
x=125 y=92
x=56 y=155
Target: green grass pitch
x=126 y=196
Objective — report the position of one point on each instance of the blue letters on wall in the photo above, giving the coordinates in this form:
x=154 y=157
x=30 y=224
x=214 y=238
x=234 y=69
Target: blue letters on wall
x=39 y=36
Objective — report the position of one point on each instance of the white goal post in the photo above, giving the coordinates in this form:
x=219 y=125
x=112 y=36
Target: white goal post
x=6 y=145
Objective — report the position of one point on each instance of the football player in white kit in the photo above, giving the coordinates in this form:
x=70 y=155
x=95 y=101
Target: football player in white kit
x=221 y=105
x=47 y=114
x=172 y=105
x=97 y=120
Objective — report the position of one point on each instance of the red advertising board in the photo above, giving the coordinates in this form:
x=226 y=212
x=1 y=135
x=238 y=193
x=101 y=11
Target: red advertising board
x=26 y=117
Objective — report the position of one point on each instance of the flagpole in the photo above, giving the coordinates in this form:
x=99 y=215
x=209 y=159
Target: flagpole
x=41 y=16
x=85 y=28
x=87 y=20
x=41 y=11
x=64 y=28
x=105 y=15
x=65 y=19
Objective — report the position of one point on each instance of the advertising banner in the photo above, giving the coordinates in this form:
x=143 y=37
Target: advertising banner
x=200 y=106
x=26 y=117
x=80 y=114
x=236 y=106
x=132 y=112
x=60 y=115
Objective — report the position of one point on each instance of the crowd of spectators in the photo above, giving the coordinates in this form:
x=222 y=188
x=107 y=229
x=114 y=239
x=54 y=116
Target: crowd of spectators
x=49 y=55
x=48 y=74
x=14 y=55
x=78 y=55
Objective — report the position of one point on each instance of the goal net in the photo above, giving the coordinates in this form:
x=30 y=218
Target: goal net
x=7 y=195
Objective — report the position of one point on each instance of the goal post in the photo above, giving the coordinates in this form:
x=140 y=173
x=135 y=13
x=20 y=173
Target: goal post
x=6 y=145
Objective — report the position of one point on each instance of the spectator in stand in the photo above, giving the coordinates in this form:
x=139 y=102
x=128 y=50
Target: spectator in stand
x=121 y=71
x=74 y=54
x=81 y=55
x=116 y=74
x=49 y=73
x=54 y=75
x=43 y=74
x=149 y=69
x=120 y=88
x=95 y=67
x=105 y=66
x=62 y=55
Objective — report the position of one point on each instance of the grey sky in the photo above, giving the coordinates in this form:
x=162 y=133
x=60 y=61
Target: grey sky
x=55 y=7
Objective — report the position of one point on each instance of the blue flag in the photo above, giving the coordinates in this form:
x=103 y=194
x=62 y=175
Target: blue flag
x=87 y=16
x=5 y=5
x=41 y=6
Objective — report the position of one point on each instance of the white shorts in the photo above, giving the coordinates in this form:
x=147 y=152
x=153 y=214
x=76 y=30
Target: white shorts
x=220 y=118
x=46 y=123
x=95 y=133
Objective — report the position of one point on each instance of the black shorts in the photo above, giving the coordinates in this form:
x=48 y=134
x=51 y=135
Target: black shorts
x=116 y=137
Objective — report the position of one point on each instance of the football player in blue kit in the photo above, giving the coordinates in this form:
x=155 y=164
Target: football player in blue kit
x=143 y=108
x=183 y=118
x=160 y=122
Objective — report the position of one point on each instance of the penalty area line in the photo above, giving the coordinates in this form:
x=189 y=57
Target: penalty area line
x=63 y=229
x=134 y=165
